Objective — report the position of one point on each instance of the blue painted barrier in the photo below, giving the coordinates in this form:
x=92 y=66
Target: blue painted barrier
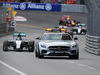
x=33 y=6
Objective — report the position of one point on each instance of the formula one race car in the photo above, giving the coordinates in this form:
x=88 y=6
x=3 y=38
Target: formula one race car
x=67 y=21
x=18 y=43
x=62 y=29
x=81 y=30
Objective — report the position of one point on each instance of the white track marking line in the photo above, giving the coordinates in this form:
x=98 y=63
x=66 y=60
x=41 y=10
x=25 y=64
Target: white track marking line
x=82 y=65
x=21 y=73
x=71 y=62
x=92 y=68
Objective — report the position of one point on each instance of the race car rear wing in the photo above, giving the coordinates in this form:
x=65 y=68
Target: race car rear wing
x=21 y=34
x=81 y=24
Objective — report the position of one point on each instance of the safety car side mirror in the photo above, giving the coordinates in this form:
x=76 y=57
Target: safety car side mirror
x=75 y=38
x=38 y=38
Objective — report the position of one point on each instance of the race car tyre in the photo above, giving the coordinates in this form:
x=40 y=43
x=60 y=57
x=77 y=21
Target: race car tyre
x=5 y=46
x=31 y=46
x=84 y=31
x=75 y=31
x=60 y=22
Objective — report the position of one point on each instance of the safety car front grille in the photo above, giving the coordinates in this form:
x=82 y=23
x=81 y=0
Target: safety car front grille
x=59 y=48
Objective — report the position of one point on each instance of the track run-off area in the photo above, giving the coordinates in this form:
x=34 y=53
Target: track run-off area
x=25 y=63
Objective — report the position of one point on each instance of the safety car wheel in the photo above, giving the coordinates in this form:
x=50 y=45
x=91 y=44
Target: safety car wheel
x=36 y=54
x=5 y=46
x=39 y=55
x=74 y=56
x=31 y=46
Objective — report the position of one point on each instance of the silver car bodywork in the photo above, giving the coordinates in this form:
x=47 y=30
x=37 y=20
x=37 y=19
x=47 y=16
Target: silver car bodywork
x=57 y=47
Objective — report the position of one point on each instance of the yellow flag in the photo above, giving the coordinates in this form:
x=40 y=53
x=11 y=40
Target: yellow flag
x=14 y=13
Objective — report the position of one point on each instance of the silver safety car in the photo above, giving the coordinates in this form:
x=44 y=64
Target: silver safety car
x=56 y=44
x=18 y=43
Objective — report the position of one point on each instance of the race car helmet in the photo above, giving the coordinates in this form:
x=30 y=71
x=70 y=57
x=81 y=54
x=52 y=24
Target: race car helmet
x=68 y=17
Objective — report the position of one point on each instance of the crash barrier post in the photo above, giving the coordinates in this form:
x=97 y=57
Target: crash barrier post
x=93 y=27
x=3 y=19
x=92 y=44
x=11 y=24
x=73 y=8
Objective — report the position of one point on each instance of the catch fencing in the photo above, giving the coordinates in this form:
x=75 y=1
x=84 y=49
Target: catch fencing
x=3 y=19
x=74 y=8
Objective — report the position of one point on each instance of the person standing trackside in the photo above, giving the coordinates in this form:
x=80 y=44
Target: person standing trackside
x=53 y=1
x=59 y=1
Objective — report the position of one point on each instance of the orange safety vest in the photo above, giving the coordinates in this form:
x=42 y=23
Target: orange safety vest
x=68 y=2
x=16 y=0
x=73 y=1
x=8 y=0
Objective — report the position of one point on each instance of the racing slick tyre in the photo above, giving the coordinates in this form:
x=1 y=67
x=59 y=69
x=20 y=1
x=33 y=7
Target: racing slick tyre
x=31 y=46
x=83 y=31
x=5 y=46
x=75 y=31
x=60 y=22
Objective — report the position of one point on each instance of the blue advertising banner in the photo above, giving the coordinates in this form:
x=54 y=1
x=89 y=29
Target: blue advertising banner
x=1 y=4
x=33 y=6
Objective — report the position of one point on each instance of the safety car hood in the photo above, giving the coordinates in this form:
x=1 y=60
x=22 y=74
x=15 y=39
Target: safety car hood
x=57 y=43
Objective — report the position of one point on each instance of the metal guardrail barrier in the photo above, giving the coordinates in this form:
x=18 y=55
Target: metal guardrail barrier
x=93 y=28
x=93 y=44
x=73 y=8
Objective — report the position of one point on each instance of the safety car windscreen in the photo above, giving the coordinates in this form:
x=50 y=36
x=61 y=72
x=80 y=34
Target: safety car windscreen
x=56 y=37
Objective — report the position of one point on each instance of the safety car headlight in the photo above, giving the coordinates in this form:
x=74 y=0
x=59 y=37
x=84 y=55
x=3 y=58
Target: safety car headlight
x=73 y=45
x=43 y=46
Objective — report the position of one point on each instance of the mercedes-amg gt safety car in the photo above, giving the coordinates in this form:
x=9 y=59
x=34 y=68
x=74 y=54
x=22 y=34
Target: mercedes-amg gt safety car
x=56 y=44
x=67 y=21
x=18 y=43
x=81 y=30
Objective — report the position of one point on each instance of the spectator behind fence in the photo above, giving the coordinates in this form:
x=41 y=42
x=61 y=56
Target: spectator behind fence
x=59 y=1
x=53 y=1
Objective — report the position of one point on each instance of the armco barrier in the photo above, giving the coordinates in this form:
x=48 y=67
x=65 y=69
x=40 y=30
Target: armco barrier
x=93 y=44
x=74 y=8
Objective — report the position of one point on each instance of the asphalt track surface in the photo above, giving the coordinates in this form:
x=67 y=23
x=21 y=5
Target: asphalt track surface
x=25 y=63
